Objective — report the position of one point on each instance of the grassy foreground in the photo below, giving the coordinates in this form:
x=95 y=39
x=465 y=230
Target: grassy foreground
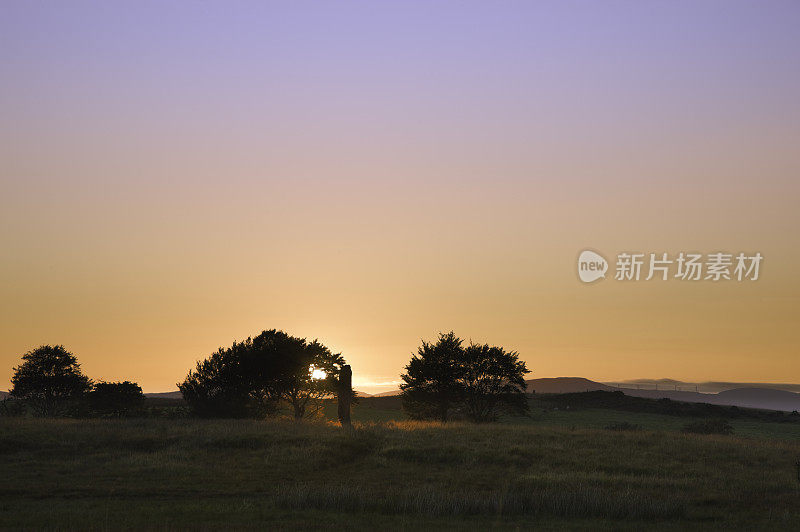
x=188 y=473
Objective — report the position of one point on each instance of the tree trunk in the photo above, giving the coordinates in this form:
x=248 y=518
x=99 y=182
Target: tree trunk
x=299 y=408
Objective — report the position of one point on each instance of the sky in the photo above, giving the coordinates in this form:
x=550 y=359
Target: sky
x=175 y=176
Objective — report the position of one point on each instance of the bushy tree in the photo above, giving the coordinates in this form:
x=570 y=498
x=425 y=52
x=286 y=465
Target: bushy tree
x=230 y=383
x=431 y=385
x=251 y=378
x=296 y=360
x=493 y=382
x=117 y=399
x=479 y=381
x=49 y=380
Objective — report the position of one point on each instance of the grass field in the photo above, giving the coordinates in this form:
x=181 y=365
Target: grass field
x=554 y=470
x=384 y=409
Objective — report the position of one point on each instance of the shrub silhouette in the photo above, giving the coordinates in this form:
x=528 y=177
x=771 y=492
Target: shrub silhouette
x=49 y=380
x=479 y=380
x=708 y=426
x=119 y=399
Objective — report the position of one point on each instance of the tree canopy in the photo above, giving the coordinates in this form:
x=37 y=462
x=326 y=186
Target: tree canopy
x=493 y=382
x=48 y=379
x=251 y=378
x=431 y=383
x=118 y=399
x=479 y=381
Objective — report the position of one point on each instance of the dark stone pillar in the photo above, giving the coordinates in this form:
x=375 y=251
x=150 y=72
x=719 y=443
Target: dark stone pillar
x=345 y=395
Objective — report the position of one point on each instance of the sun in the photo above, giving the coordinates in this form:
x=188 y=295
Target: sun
x=317 y=374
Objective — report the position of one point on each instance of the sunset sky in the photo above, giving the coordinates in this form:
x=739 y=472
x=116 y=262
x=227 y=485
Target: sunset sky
x=175 y=176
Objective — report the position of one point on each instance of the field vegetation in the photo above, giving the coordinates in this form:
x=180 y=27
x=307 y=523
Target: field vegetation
x=553 y=469
x=256 y=443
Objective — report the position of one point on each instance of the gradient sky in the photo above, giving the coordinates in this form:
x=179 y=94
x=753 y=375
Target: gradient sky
x=175 y=176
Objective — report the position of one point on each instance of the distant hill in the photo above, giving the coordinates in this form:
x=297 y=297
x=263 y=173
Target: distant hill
x=760 y=398
x=764 y=397
x=565 y=385
x=724 y=386
x=702 y=387
x=618 y=400
x=3 y=395
x=165 y=395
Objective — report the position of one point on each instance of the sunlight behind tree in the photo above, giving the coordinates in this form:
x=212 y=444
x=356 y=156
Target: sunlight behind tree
x=316 y=373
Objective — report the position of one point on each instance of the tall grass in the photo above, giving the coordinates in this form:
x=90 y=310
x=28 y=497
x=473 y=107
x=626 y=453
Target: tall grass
x=577 y=502
x=72 y=471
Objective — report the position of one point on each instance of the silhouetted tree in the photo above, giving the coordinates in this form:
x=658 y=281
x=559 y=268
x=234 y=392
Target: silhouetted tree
x=49 y=379
x=118 y=399
x=479 y=380
x=250 y=378
x=493 y=381
x=431 y=386
x=296 y=359
x=231 y=383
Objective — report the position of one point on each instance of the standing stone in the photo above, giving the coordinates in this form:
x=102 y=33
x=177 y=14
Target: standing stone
x=345 y=394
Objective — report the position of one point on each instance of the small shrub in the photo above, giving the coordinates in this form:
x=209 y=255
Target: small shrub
x=116 y=399
x=708 y=426
x=12 y=407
